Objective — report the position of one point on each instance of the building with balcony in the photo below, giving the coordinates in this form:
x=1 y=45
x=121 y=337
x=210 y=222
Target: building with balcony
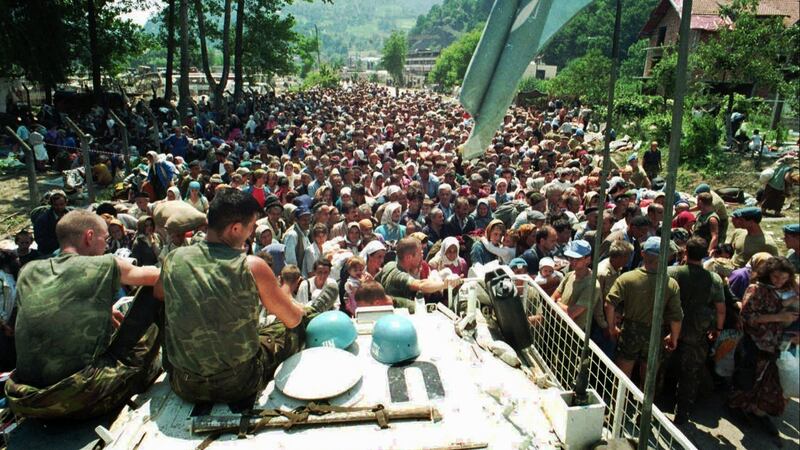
x=664 y=23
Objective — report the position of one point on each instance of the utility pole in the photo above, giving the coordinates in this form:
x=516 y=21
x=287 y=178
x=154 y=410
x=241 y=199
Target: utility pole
x=654 y=351
x=582 y=380
x=319 y=59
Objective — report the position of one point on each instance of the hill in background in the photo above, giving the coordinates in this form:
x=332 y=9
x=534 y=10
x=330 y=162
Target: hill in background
x=357 y=26
x=591 y=28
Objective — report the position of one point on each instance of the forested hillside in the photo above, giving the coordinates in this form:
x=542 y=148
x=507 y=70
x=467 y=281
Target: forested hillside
x=591 y=29
x=356 y=25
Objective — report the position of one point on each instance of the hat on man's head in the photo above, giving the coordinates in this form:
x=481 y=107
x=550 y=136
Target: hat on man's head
x=748 y=213
x=633 y=157
x=519 y=262
x=792 y=228
x=546 y=262
x=272 y=201
x=216 y=178
x=652 y=246
x=702 y=187
x=579 y=132
x=301 y=211
x=578 y=249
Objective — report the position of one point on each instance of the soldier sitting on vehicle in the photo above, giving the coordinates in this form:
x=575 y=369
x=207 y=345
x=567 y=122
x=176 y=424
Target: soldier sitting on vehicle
x=70 y=364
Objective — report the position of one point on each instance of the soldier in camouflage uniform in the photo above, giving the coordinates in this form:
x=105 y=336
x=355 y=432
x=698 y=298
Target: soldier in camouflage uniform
x=633 y=295
x=68 y=365
x=703 y=303
x=212 y=291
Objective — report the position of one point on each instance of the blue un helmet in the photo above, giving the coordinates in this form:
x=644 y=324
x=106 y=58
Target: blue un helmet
x=394 y=339
x=330 y=329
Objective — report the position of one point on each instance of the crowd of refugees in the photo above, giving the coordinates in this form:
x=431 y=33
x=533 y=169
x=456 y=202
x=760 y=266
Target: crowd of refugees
x=363 y=195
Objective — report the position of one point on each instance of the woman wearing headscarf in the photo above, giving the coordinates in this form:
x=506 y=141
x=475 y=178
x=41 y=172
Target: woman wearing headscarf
x=118 y=237
x=195 y=198
x=376 y=187
x=448 y=258
x=390 y=228
x=147 y=244
x=490 y=246
x=482 y=214
x=374 y=254
x=159 y=174
x=757 y=387
x=261 y=237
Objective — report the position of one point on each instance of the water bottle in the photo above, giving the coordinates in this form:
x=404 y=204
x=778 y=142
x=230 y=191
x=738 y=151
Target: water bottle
x=419 y=304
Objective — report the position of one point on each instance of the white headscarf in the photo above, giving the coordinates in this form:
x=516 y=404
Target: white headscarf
x=446 y=244
x=370 y=248
x=388 y=211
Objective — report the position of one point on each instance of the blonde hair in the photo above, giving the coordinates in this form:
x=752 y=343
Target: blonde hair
x=74 y=224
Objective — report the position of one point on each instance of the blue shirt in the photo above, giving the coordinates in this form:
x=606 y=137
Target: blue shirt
x=178 y=146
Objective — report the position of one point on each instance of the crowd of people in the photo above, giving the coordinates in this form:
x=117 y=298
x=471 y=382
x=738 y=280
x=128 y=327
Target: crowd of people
x=359 y=197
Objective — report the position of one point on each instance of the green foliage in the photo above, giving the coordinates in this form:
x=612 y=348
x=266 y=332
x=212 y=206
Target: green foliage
x=593 y=29
x=306 y=49
x=269 y=42
x=586 y=77
x=662 y=76
x=701 y=135
x=393 y=58
x=452 y=63
x=530 y=84
x=325 y=77
x=348 y=27
x=445 y=23
x=632 y=65
x=48 y=40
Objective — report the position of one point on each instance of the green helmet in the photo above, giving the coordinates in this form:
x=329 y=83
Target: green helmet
x=394 y=339
x=331 y=329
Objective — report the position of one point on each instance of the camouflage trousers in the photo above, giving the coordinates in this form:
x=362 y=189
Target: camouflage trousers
x=687 y=363
x=634 y=341
x=97 y=389
x=277 y=343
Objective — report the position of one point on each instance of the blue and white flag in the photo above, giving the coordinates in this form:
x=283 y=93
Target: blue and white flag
x=517 y=31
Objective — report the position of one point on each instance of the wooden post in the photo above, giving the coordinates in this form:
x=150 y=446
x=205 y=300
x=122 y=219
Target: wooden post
x=87 y=163
x=33 y=189
x=125 y=148
x=155 y=136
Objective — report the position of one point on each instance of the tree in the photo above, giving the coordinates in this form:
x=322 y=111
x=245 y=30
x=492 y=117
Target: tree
x=306 y=48
x=749 y=51
x=586 y=77
x=185 y=100
x=269 y=43
x=451 y=65
x=394 y=57
x=43 y=58
x=238 y=83
x=216 y=87
x=170 y=49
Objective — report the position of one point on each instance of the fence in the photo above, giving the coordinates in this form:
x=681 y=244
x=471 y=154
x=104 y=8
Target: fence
x=557 y=343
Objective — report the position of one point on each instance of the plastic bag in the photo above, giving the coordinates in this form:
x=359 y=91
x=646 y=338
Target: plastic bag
x=789 y=371
x=723 y=352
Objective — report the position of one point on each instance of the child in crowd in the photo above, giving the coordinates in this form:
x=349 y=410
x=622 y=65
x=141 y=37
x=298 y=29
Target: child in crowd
x=355 y=270
x=548 y=278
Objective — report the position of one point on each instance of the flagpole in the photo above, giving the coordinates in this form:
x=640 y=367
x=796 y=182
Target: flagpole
x=662 y=277
x=582 y=378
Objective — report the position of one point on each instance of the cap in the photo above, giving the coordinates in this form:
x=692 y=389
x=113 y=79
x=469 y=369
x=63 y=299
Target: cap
x=702 y=187
x=633 y=157
x=579 y=132
x=578 y=249
x=748 y=213
x=546 y=262
x=301 y=211
x=519 y=262
x=792 y=228
x=536 y=215
x=652 y=246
